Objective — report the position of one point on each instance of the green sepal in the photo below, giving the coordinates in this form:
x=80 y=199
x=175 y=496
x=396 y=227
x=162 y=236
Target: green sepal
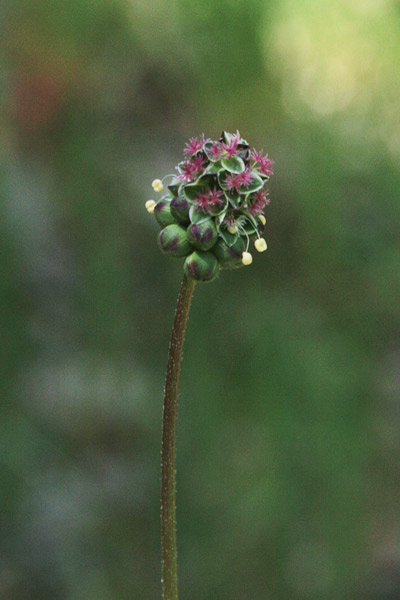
x=229 y=238
x=233 y=164
x=233 y=197
x=214 y=167
x=229 y=257
x=197 y=216
x=220 y=219
x=255 y=185
x=174 y=189
x=218 y=208
x=253 y=221
x=250 y=228
x=192 y=190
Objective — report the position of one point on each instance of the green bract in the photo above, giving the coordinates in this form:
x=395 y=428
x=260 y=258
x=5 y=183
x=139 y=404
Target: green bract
x=215 y=204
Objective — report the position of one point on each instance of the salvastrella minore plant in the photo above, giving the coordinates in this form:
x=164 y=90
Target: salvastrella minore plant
x=211 y=214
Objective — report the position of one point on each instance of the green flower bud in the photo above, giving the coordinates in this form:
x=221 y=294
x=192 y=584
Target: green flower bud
x=203 y=235
x=180 y=209
x=162 y=212
x=201 y=266
x=173 y=241
x=229 y=257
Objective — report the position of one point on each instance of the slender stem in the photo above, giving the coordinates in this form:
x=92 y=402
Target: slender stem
x=168 y=449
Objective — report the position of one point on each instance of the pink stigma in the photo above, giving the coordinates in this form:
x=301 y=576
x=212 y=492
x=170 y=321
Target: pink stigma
x=195 y=145
x=231 y=148
x=264 y=162
x=260 y=201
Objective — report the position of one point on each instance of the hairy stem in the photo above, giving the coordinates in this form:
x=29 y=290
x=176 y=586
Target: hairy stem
x=168 y=449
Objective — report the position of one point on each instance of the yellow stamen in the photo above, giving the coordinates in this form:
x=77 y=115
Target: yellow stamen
x=150 y=204
x=247 y=258
x=157 y=185
x=260 y=245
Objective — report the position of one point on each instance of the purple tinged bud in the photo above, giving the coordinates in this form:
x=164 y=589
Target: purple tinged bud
x=173 y=241
x=162 y=212
x=201 y=266
x=180 y=209
x=203 y=235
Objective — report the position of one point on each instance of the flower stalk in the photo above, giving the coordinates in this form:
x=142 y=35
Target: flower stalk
x=168 y=449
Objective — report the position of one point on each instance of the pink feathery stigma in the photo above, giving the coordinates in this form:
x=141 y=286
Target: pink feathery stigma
x=197 y=163
x=215 y=151
x=232 y=182
x=260 y=201
x=208 y=199
x=186 y=172
x=203 y=201
x=264 y=162
x=245 y=177
x=214 y=197
x=239 y=180
x=231 y=148
x=191 y=169
x=195 y=144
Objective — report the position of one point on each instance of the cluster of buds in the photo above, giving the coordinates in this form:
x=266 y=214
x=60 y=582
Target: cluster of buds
x=214 y=206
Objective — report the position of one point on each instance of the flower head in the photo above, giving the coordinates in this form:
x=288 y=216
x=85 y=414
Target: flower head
x=211 y=212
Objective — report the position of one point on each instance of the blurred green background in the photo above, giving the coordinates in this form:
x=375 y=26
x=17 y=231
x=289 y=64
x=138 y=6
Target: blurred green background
x=288 y=441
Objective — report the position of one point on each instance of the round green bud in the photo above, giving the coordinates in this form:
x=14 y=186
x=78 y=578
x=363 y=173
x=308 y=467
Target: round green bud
x=162 y=212
x=229 y=257
x=201 y=266
x=173 y=241
x=203 y=235
x=180 y=209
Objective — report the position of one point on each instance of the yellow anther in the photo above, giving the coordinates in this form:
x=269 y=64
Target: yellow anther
x=262 y=219
x=247 y=258
x=157 y=185
x=260 y=245
x=232 y=229
x=150 y=204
